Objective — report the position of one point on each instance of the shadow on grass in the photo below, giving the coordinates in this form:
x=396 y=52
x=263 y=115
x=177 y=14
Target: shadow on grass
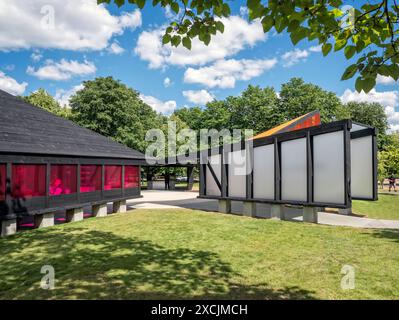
x=390 y=234
x=92 y=264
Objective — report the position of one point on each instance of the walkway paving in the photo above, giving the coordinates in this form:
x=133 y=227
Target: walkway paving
x=155 y=199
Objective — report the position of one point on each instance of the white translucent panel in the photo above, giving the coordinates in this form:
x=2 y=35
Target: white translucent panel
x=294 y=170
x=212 y=188
x=329 y=168
x=357 y=127
x=263 y=177
x=362 y=167
x=237 y=174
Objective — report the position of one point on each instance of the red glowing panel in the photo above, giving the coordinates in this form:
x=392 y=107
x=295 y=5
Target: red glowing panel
x=3 y=176
x=90 y=178
x=28 y=180
x=63 y=179
x=132 y=177
x=113 y=177
x=310 y=122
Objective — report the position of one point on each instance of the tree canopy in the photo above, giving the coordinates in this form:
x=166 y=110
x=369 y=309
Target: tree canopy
x=369 y=30
x=112 y=109
x=42 y=99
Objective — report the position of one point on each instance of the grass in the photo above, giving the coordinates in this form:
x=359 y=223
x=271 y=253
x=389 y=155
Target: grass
x=165 y=254
x=387 y=207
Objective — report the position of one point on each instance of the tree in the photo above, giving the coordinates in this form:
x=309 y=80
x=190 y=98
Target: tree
x=190 y=116
x=372 y=114
x=389 y=161
x=298 y=98
x=110 y=108
x=42 y=99
x=256 y=108
x=369 y=30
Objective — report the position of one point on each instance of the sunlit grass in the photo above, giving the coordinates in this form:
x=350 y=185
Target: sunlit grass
x=387 y=207
x=165 y=254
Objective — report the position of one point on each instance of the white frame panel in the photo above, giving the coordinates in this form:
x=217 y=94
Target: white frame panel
x=294 y=170
x=329 y=168
x=263 y=176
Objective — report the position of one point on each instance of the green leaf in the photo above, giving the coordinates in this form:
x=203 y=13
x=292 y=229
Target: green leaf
x=394 y=71
x=175 y=7
x=349 y=72
x=359 y=84
x=207 y=38
x=267 y=23
x=176 y=40
x=326 y=48
x=220 y=26
x=368 y=84
x=298 y=35
x=166 y=39
x=339 y=44
x=187 y=42
x=349 y=51
x=140 y=3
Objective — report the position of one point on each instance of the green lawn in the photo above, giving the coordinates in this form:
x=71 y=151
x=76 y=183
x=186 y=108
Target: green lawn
x=387 y=207
x=181 y=253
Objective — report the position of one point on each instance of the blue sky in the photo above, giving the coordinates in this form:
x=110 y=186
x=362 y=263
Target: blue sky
x=57 y=44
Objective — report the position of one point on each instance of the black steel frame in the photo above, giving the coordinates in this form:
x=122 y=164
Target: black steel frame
x=40 y=205
x=276 y=140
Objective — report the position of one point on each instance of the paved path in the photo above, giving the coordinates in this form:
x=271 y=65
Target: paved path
x=155 y=199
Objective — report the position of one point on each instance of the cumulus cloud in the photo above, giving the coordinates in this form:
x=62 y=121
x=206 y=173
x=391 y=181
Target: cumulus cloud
x=10 y=85
x=238 y=34
x=385 y=80
x=167 y=82
x=225 y=73
x=165 y=107
x=63 y=96
x=61 y=24
x=295 y=56
x=63 y=70
x=199 y=97
x=389 y=99
x=115 y=48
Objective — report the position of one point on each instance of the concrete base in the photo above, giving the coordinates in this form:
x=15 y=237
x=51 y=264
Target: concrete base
x=73 y=215
x=277 y=211
x=224 y=206
x=44 y=220
x=310 y=214
x=249 y=209
x=8 y=227
x=100 y=210
x=119 y=206
x=345 y=211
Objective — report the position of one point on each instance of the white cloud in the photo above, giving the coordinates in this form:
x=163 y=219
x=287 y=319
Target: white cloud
x=225 y=73
x=9 y=67
x=167 y=82
x=63 y=70
x=36 y=56
x=115 y=48
x=385 y=80
x=238 y=34
x=78 y=24
x=199 y=97
x=315 y=48
x=10 y=85
x=63 y=96
x=293 y=57
x=165 y=107
x=389 y=99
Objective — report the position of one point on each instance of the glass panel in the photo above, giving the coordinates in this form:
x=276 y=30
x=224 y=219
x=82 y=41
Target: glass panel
x=131 y=177
x=264 y=172
x=237 y=177
x=362 y=167
x=3 y=176
x=90 y=178
x=28 y=180
x=211 y=186
x=113 y=177
x=63 y=179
